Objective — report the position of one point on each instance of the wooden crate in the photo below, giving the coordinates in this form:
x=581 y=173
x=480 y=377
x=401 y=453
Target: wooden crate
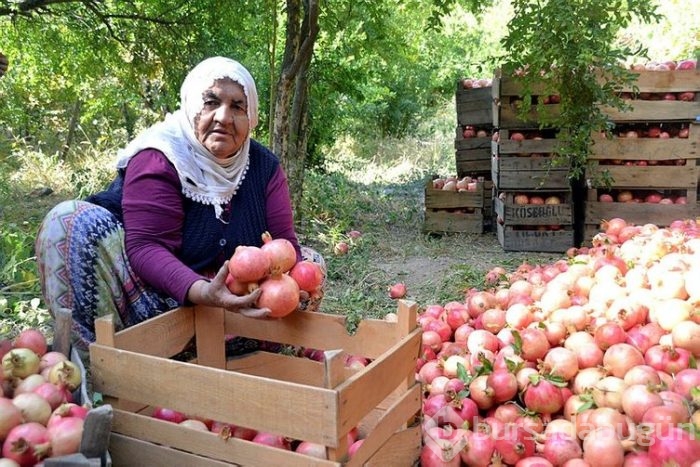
x=472 y=155
x=510 y=213
x=456 y=200
x=659 y=82
x=508 y=97
x=290 y=396
x=516 y=238
x=474 y=105
x=457 y=211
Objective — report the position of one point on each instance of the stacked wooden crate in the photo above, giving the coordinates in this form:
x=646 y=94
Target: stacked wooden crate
x=293 y=397
x=474 y=131
x=648 y=171
x=534 y=202
x=456 y=210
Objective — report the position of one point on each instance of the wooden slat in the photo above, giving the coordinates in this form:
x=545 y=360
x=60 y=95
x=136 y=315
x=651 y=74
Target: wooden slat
x=663 y=111
x=317 y=331
x=482 y=145
x=208 y=446
x=397 y=415
x=300 y=412
x=403 y=448
x=649 y=177
x=364 y=391
x=104 y=331
x=164 y=335
x=443 y=221
x=647 y=149
x=63 y=322
x=445 y=199
x=528 y=146
x=96 y=431
x=278 y=366
x=548 y=241
x=209 y=328
x=509 y=117
x=528 y=173
x=640 y=213
x=132 y=452
x=534 y=214
x=664 y=81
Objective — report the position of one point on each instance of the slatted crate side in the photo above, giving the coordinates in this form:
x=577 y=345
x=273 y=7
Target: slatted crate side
x=134 y=381
x=683 y=177
x=511 y=213
x=513 y=238
x=642 y=110
x=528 y=173
x=507 y=146
x=664 y=81
x=474 y=105
x=474 y=143
x=660 y=82
x=640 y=213
x=453 y=222
x=647 y=149
x=507 y=100
x=447 y=199
x=469 y=164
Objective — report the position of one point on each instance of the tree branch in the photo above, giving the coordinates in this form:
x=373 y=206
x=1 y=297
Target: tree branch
x=28 y=7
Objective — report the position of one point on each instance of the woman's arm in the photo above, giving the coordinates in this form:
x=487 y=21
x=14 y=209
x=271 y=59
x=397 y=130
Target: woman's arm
x=153 y=219
x=280 y=217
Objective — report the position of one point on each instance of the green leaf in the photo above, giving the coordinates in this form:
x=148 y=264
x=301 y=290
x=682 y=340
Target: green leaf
x=517 y=342
x=463 y=374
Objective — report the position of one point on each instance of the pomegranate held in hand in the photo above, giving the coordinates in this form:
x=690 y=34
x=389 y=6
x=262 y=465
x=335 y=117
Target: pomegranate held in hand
x=280 y=293
x=281 y=252
x=308 y=275
x=249 y=264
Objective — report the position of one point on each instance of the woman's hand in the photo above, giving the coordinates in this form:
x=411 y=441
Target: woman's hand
x=215 y=293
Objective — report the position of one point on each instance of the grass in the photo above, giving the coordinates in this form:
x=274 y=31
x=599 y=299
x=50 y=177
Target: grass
x=373 y=186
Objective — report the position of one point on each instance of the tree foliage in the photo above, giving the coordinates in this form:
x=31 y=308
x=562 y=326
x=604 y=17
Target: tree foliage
x=573 y=48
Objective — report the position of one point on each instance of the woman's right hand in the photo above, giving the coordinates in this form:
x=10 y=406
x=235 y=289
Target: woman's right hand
x=215 y=293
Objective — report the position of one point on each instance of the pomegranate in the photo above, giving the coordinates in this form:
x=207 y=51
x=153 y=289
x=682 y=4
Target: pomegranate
x=249 y=264
x=308 y=275
x=33 y=340
x=27 y=444
x=280 y=293
x=281 y=253
x=65 y=435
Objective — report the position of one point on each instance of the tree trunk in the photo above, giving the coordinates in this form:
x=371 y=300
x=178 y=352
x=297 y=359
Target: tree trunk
x=289 y=138
x=74 y=119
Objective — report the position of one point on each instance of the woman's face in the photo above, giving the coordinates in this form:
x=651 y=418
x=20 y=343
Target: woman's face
x=222 y=126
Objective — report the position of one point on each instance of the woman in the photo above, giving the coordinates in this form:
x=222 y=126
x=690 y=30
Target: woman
x=189 y=190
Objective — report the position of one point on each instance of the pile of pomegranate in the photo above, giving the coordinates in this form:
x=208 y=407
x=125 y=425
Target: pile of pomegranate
x=588 y=361
x=38 y=418
x=273 y=267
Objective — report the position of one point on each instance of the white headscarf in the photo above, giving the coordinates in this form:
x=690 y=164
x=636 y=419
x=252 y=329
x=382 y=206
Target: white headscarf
x=204 y=178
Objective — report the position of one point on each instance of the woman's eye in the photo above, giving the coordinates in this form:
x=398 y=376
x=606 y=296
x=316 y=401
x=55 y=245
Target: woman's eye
x=240 y=110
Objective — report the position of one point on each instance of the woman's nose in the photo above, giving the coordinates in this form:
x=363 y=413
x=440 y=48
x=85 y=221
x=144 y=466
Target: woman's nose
x=223 y=114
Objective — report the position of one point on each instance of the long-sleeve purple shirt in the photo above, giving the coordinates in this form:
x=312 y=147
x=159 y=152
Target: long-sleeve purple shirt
x=154 y=214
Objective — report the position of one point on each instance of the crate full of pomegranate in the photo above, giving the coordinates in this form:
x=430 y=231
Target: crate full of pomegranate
x=455 y=204
x=46 y=416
